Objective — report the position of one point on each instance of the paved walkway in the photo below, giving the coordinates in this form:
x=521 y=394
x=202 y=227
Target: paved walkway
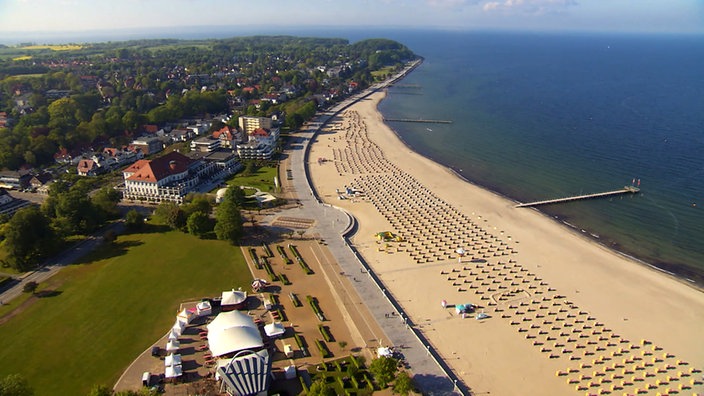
x=333 y=223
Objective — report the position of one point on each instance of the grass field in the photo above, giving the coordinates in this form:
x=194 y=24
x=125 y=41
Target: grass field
x=263 y=179
x=110 y=308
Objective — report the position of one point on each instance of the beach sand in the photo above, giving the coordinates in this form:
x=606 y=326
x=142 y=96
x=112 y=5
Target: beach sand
x=565 y=313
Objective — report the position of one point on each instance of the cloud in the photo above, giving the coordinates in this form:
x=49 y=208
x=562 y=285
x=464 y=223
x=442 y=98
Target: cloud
x=451 y=3
x=537 y=7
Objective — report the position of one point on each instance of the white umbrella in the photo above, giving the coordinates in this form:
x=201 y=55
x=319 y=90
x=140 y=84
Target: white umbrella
x=259 y=284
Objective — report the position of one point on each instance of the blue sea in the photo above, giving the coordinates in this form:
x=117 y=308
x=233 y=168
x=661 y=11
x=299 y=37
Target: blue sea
x=539 y=116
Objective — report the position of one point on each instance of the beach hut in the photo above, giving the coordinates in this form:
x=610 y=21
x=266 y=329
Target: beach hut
x=274 y=330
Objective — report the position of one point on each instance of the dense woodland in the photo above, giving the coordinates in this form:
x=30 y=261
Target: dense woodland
x=98 y=95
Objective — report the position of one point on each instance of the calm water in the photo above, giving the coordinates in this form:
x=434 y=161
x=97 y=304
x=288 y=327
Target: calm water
x=546 y=116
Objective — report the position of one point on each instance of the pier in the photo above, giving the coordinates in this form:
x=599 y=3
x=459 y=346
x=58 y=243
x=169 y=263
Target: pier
x=624 y=190
x=420 y=120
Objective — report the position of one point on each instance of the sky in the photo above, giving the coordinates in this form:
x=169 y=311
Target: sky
x=22 y=17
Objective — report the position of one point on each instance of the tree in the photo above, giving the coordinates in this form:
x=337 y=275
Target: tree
x=105 y=201
x=320 y=388
x=403 y=384
x=100 y=390
x=15 y=385
x=198 y=224
x=383 y=369
x=134 y=220
x=170 y=214
x=228 y=219
x=29 y=287
x=236 y=195
x=28 y=238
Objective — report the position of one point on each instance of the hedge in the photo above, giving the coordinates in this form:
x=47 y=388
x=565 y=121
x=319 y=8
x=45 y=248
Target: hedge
x=282 y=252
x=314 y=304
x=327 y=336
x=295 y=300
x=324 y=351
x=267 y=250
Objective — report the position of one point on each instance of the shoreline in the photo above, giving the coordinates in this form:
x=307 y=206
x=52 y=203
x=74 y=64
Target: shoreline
x=680 y=272
x=595 y=282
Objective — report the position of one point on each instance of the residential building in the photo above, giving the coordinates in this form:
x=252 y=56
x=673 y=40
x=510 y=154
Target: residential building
x=148 y=145
x=205 y=144
x=249 y=124
x=228 y=137
x=261 y=144
x=88 y=167
x=14 y=179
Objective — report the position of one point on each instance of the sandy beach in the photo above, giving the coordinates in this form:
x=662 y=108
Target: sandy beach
x=565 y=314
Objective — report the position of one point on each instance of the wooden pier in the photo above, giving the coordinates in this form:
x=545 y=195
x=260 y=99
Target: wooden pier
x=624 y=190
x=418 y=120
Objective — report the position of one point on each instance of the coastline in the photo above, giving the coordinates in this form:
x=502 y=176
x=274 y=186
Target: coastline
x=602 y=299
x=679 y=272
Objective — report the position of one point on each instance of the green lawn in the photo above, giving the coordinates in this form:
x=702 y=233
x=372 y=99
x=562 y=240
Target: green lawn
x=112 y=307
x=263 y=179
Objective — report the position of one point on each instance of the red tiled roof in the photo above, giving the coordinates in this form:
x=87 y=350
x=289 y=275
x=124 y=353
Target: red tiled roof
x=260 y=132
x=159 y=168
x=85 y=165
x=224 y=130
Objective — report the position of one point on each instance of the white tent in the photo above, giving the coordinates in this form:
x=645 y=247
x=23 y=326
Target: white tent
x=173 y=346
x=233 y=298
x=173 y=371
x=275 y=329
x=203 y=308
x=178 y=327
x=172 y=360
x=231 y=332
x=185 y=316
x=173 y=335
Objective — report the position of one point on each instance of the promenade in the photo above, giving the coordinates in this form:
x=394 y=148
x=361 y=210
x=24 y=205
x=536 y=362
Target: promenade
x=333 y=224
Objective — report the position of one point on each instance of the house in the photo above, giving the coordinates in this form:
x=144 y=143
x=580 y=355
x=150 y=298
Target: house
x=181 y=135
x=148 y=145
x=205 y=144
x=228 y=137
x=39 y=180
x=87 y=167
x=167 y=178
x=198 y=129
